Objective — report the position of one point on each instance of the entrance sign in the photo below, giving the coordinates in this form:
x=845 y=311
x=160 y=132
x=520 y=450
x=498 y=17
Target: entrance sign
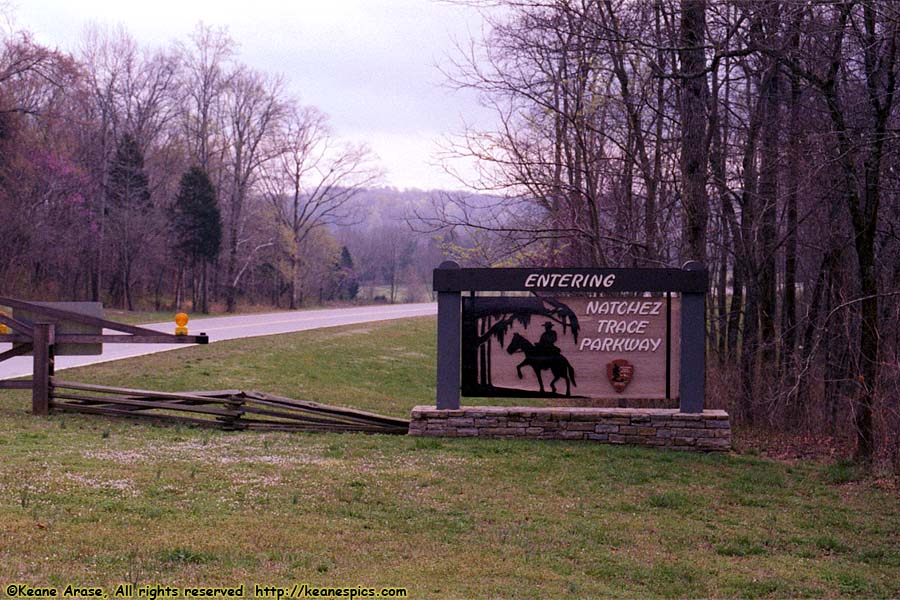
x=587 y=333
x=610 y=346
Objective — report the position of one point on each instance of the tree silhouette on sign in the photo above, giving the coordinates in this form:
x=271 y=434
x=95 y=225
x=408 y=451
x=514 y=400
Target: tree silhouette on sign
x=495 y=319
x=522 y=313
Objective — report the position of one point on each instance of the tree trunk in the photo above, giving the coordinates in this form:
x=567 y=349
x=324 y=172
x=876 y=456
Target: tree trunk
x=195 y=289
x=789 y=304
x=237 y=201
x=693 y=123
x=868 y=343
x=768 y=228
x=204 y=287
x=807 y=347
x=393 y=284
x=179 y=286
x=749 y=356
x=157 y=291
x=735 y=310
x=721 y=297
x=294 y=276
x=230 y=286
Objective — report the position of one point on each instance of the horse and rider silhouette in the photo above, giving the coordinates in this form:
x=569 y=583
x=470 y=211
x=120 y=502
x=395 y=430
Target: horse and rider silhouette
x=542 y=356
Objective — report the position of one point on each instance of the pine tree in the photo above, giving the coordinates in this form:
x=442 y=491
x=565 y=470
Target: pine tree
x=129 y=208
x=129 y=187
x=198 y=224
x=346 y=278
x=346 y=259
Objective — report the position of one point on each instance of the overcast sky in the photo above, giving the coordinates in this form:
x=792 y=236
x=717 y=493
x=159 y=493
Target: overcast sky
x=370 y=65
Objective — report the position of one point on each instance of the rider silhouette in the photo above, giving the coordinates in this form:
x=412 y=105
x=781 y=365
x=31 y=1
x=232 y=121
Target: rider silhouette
x=547 y=343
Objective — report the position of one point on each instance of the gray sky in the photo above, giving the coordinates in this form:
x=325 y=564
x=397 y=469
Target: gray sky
x=370 y=65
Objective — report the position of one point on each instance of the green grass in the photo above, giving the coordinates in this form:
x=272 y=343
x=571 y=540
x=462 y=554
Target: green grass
x=141 y=317
x=92 y=501
x=402 y=293
x=843 y=471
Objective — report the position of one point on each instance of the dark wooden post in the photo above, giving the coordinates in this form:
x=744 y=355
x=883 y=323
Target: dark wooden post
x=693 y=348
x=448 y=345
x=40 y=388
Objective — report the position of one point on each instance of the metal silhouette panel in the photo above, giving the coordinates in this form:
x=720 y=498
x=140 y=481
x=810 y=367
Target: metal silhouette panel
x=605 y=346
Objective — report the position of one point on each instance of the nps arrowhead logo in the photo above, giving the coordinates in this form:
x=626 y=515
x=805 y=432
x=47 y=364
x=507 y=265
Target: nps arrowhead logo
x=620 y=373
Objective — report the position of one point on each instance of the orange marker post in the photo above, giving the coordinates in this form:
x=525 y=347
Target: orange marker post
x=181 y=320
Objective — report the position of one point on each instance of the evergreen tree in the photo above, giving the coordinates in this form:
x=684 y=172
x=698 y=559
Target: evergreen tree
x=346 y=259
x=198 y=224
x=129 y=187
x=346 y=278
x=129 y=208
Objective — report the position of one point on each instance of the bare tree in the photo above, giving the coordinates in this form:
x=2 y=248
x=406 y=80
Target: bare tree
x=860 y=104
x=312 y=181
x=204 y=79
x=104 y=57
x=577 y=159
x=126 y=89
x=254 y=108
x=33 y=85
x=694 y=92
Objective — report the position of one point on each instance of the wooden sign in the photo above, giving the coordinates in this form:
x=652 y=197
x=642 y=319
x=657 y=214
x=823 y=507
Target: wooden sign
x=591 y=332
x=607 y=346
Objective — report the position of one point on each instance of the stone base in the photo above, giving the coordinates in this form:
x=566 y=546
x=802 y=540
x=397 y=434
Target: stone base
x=667 y=428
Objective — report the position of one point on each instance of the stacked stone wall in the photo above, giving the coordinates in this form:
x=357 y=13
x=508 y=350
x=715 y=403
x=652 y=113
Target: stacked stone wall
x=669 y=428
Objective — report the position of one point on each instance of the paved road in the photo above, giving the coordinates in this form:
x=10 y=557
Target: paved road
x=227 y=328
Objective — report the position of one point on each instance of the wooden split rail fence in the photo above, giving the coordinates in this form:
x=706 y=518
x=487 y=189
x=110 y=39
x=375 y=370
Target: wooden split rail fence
x=52 y=325
x=222 y=409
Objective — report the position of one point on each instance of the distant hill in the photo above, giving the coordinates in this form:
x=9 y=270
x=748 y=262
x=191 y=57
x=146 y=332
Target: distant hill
x=390 y=205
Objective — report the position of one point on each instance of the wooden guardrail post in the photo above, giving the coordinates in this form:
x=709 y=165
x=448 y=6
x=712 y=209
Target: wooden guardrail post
x=43 y=366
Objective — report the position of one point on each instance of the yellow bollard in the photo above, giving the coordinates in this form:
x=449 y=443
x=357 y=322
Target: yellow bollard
x=3 y=327
x=181 y=320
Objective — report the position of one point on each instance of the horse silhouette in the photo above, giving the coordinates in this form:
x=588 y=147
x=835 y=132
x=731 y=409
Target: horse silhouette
x=540 y=360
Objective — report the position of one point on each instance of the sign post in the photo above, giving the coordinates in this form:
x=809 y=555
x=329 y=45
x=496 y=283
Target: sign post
x=693 y=347
x=43 y=368
x=448 y=344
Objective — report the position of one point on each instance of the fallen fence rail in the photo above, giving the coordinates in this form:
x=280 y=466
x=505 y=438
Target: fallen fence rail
x=221 y=409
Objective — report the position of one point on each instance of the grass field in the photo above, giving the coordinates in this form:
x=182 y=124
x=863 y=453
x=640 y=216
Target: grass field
x=139 y=317
x=92 y=501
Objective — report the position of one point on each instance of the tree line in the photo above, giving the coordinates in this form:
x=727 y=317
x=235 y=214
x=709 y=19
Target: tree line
x=757 y=136
x=160 y=177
